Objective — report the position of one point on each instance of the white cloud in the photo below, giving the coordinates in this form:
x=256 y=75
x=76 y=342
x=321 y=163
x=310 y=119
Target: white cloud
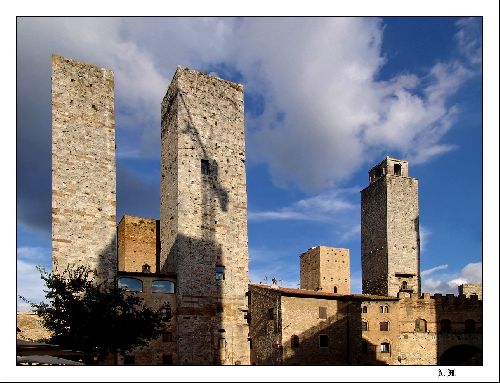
x=447 y=283
x=29 y=285
x=325 y=112
x=29 y=253
x=425 y=233
x=469 y=38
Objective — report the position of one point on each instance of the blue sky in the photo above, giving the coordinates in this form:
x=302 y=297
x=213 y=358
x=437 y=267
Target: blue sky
x=325 y=99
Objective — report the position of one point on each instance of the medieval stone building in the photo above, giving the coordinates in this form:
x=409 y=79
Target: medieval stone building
x=195 y=257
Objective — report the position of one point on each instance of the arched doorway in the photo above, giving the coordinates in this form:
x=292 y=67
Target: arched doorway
x=462 y=355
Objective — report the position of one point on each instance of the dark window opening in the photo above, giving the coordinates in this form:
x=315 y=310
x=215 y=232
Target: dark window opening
x=270 y=314
x=295 y=341
x=220 y=309
x=128 y=360
x=420 y=325
x=365 y=309
x=205 y=167
x=323 y=340
x=364 y=326
x=219 y=273
x=385 y=347
x=404 y=285
x=364 y=347
x=445 y=325
x=167 y=360
x=470 y=325
x=397 y=169
x=146 y=268
x=334 y=289
x=322 y=313
x=167 y=336
x=384 y=309
x=384 y=326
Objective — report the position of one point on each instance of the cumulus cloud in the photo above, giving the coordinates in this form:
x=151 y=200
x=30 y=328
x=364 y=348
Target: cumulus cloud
x=29 y=284
x=447 y=283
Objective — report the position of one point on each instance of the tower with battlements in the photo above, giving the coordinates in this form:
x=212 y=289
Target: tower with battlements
x=390 y=240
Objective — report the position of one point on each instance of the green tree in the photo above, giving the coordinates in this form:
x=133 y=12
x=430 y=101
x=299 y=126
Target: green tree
x=97 y=319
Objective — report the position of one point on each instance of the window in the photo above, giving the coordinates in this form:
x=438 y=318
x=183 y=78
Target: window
x=128 y=360
x=205 y=167
x=167 y=336
x=445 y=325
x=364 y=326
x=167 y=311
x=162 y=286
x=167 y=360
x=323 y=340
x=384 y=309
x=322 y=313
x=220 y=309
x=470 y=325
x=295 y=341
x=270 y=314
x=420 y=325
x=219 y=273
x=334 y=289
x=364 y=347
x=384 y=326
x=385 y=347
x=130 y=284
x=364 y=309
x=397 y=169
x=404 y=285
x=222 y=343
x=146 y=268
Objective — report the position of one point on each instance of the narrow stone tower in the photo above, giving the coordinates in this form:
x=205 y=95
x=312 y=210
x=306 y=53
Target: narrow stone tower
x=325 y=269
x=83 y=167
x=390 y=240
x=203 y=216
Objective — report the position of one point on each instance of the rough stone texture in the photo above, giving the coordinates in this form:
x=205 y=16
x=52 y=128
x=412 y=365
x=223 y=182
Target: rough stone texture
x=31 y=327
x=203 y=216
x=83 y=167
x=138 y=244
x=469 y=289
x=390 y=241
x=153 y=353
x=327 y=269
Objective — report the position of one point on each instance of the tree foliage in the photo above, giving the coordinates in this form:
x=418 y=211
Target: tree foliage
x=97 y=319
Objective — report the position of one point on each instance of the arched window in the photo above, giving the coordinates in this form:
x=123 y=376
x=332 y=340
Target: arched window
x=397 y=169
x=130 y=284
x=364 y=309
x=470 y=325
x=404 y=285
x=364 y=326
x=384 y=326
x=445 y=325
x=163 y=286
x=384 y=309
x=334 y=289
x=295 y=341
x=420 y=325
x=146 y=268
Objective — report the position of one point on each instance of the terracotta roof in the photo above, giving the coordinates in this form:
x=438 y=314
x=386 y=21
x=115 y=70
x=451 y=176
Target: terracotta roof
x=322 y=294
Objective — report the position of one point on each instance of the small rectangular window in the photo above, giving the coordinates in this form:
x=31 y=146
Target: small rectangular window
x=250 y=343
x=323 y=340
x=219 y=273
x=384 y=326
x=167 y=360
x=205 y=167
x=364 y=326
x=270 y=314
x=167 y=336
x=222 y=343
x=384 y=347
x=128 y=360
x=322 y=313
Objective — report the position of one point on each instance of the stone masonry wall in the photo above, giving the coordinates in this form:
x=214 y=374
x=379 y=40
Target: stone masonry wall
x=374 y=238
x=469 y=289
x=83 y=167
x=203 y=214
x=137 y=244
x=310 y=269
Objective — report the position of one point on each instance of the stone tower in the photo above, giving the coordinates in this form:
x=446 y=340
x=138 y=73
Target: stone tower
x=203 y=216
x=390 y=240
x=325 y=269
x=83 y=167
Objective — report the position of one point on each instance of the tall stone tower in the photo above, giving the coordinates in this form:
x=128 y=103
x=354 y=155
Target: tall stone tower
x=390 y=240
x=325 y=269
x=83 y=167
x=203 y=216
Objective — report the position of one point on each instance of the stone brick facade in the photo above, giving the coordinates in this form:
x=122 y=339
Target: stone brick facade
x=83 y=167
x=138 y=244
x=203 y=215
x=326 y=269
x=390 y=240
x=469 y=289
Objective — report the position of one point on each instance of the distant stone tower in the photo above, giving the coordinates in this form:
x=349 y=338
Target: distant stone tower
x=203 y=216
x=390 y=241
x=325 y=269
x=83 y=167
